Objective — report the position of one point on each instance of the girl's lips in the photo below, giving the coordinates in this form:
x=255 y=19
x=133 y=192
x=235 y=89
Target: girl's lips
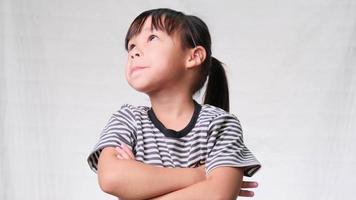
x=136 y=68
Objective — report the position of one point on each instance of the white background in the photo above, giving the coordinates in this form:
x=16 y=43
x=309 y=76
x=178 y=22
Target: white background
x=290 y=64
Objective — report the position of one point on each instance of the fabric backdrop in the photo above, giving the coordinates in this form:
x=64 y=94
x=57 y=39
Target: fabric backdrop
x=291 y=69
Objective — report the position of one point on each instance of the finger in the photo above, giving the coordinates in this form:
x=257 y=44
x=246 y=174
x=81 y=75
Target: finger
x=119 y=157
x=123 y=153
x=119 y=151
x=249 y=184
x=246 y=193
x=118 y=148
x=128 y=151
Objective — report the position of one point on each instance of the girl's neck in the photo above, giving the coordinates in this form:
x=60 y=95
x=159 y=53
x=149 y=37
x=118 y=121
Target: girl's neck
x=174 y=111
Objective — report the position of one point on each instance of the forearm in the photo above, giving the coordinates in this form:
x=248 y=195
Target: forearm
x=224 y=186
x=201 y=190
x=129 y=179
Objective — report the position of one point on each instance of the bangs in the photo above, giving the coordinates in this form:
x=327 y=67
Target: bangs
x=160 y=20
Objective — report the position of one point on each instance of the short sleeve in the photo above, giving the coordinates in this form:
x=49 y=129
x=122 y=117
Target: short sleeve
x=226 y=146
x=120 y=128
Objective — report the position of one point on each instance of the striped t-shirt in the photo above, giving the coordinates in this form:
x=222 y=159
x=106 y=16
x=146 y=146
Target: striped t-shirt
x=212 y=137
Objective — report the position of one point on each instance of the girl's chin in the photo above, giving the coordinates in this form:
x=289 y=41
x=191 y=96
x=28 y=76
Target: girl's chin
x=140 y=87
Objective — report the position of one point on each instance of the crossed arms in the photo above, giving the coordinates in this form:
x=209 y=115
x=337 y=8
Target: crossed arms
x=120 y=175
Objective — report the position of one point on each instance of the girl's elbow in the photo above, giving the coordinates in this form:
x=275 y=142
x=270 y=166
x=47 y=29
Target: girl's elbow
x=109 y=182
x=106 y=182
x=108 y=172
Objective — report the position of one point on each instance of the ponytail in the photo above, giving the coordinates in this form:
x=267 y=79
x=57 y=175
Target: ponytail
x=217 y=90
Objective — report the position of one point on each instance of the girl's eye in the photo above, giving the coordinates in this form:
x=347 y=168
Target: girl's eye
x=151 y=37
x=131 y=47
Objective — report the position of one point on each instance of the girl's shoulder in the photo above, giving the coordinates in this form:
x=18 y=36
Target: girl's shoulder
x=133 y=109
x=214 y=111
x=218 y=115
x=222 y=122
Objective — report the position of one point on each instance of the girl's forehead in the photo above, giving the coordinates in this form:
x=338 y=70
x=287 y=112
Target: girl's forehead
x=147 y=27
x=148 y=23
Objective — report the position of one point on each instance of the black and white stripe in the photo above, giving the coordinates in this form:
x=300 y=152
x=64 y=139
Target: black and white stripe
x=213 y=138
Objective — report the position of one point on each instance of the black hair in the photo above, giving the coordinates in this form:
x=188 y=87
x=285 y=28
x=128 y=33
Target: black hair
x=192 y=32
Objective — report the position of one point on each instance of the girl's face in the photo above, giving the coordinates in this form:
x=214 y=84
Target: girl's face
x=155 y=60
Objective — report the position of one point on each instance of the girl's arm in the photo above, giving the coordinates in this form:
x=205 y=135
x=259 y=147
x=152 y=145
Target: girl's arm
x=223 y=183
x=130 y=179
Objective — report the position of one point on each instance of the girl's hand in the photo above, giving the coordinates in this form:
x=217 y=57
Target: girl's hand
x=247 y=184
x=124 y=153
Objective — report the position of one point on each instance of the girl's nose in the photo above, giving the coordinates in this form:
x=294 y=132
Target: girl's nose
x=135 y=53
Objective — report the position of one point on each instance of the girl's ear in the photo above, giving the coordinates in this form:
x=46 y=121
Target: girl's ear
x=196 y=57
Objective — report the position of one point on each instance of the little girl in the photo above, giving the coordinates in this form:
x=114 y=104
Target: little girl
x=177 y=148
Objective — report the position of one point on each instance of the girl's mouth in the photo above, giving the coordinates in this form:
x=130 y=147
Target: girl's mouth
x=136 y=68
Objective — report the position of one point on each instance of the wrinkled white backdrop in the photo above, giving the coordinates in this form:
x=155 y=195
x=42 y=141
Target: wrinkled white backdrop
x=291 y=66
